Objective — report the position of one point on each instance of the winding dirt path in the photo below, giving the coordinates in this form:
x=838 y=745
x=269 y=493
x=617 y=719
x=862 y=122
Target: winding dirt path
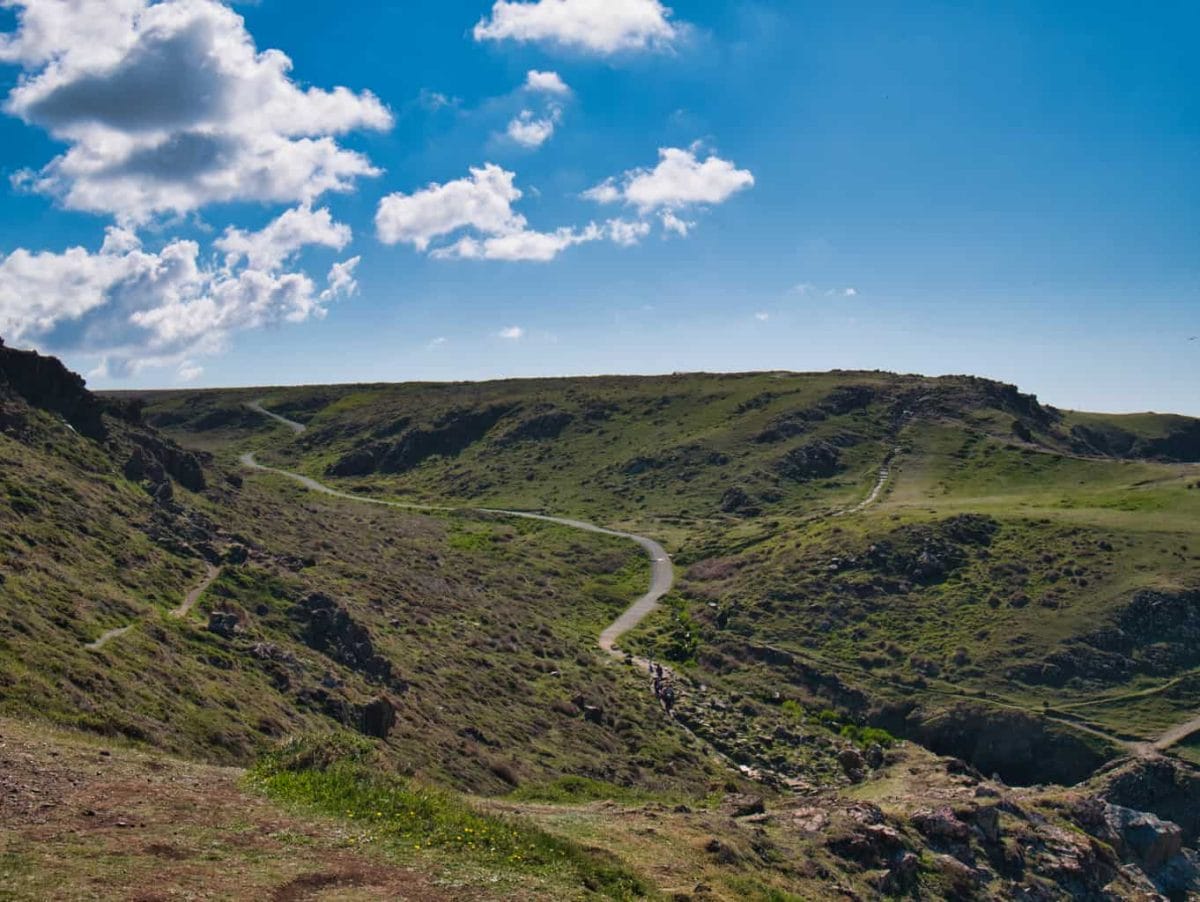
x=210 y=576
x=108 y=637
x=1177 y=734
x=885 y=473
x=662 y=575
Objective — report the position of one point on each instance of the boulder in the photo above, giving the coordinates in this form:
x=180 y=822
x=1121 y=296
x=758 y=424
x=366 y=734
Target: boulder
x=819 y=460
x=378 y=718
x=1145 y=837
x=225 y=624
x=853 y=764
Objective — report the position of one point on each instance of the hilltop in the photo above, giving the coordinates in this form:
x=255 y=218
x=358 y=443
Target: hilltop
x=873 y=570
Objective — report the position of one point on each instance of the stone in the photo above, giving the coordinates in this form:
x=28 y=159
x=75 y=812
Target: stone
x=1145 y=837
x=378 y=718
x=224 y=624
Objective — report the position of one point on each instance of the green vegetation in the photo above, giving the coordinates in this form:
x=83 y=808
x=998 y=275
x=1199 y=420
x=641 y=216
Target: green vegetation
x=339 y=776
x=1021 y=592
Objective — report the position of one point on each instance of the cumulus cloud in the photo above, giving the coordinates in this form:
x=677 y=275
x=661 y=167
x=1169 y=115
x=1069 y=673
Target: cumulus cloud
x=546 y=83
x=512 y=333
x=283 y=238
x=482 y=201
x=139 y=307
x=532 y=131
x=626 y=233
x=601 y=27
x=680 y=180
x=341 y=281
x=673 y=225
x=479 y=209
x=168 y=106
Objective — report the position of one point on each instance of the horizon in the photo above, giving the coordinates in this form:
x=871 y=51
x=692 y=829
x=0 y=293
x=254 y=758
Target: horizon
x=200 y=389
x=224 y=194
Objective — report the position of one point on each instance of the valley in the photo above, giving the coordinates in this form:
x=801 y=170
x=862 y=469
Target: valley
x=924 y=637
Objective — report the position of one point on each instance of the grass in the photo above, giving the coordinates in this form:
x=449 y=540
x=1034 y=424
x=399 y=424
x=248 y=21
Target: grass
x=334 y=777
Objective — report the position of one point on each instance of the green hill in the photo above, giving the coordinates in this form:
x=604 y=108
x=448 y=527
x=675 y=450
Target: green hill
x=863 y=558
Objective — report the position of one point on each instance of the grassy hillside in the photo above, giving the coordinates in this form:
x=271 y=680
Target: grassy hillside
x=1009 y=535
x=420 y=696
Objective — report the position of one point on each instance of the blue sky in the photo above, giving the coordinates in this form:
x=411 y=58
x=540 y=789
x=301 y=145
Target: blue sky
x=936 y=187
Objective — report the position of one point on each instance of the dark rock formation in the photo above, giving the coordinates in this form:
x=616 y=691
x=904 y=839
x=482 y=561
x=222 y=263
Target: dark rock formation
x=819 y=460
x=378 y=718
x=1167 y=788
x=1181 y=444
x=541 y=427
x=1157 y=633
x=737 y=501
x=1022 y=749
x=449 y=437
x=225 y=624
x=44 y=383
x=329 y=629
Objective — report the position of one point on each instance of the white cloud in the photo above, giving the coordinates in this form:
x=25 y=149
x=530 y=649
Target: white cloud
x=546 y=83
x=532 y=131
x=803 y=289
x=842 y=293
x=680 y=180
x=672 y=224
x=141 y=308
x=190 y=371
x=341 y=281
x=168 y=106
x=283 y=238
x=483 y=201
x=762 y=317
x=438 y=342
x=625 y=233
x=602 y=27
x=536 y=247
x=512 y=333
x=481 y=206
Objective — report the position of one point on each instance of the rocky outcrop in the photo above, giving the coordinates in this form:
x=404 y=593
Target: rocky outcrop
x=1167 y=788
x=1022 y=749
x=377 y=718
x=449 y=437
x=44 y=383
x=737 y=501
x=539 y=428
x=328 y=628
x=818 y=460
x=1157 y=633
x=1180 y=444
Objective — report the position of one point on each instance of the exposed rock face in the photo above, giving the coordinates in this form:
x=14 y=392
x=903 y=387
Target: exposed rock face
x=1167 y=788
x=43 y=382
x=224 y=624
x=1151 y=841
x=927 y=553
x=1022 y=749
x=1156 y=633
x=541 y=427
x=737 y=501
x=819 y=460
x=1181 y=444
x=452 y=435
x=329 y=629
x=378 y=718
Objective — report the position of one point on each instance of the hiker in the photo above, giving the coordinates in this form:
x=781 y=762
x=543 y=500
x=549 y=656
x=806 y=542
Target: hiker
x=668 y=698
x=658 y=687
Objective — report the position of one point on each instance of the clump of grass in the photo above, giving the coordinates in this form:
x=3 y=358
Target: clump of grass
x=339 y=776
x=574 y=789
